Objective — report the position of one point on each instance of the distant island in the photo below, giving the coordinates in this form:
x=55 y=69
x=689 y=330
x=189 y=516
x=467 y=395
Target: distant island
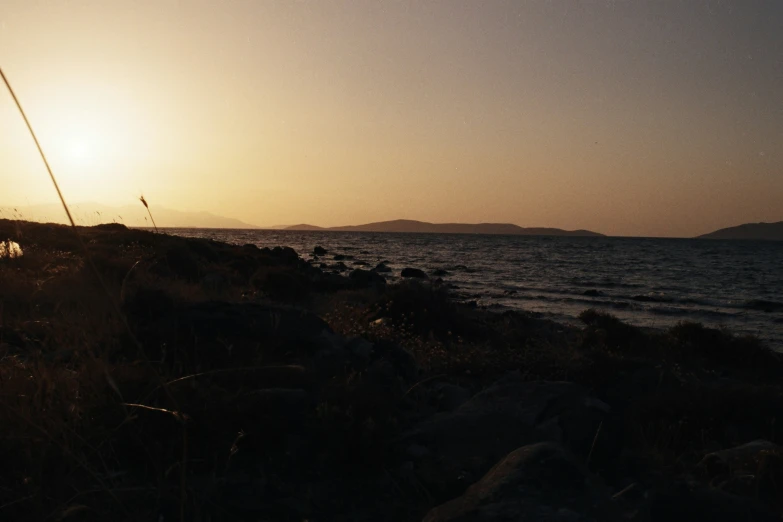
x=88 y=214
x=749 y=231
x=411 y=226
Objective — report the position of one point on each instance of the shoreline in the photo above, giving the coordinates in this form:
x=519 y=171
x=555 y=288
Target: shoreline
x=306 y=394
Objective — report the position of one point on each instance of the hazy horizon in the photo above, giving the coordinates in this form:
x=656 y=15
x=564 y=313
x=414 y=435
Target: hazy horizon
x=630 y=118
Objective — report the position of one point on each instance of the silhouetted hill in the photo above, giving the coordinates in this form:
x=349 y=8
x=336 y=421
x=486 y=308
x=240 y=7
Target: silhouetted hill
x=88 y=214
x=304 y=226
x=757 y=231
x=408 y=225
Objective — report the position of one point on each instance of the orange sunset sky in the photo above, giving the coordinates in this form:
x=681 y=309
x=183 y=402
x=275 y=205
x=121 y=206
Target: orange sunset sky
x=633 y=117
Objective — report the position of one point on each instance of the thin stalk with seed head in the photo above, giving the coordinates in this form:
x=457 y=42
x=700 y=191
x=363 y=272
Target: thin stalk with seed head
x=144 y=202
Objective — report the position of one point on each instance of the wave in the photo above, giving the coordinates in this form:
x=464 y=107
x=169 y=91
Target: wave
x=605 y=283
x=763 y=305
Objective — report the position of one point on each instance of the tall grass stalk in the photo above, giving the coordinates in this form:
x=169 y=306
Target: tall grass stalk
x=105 y=288
x=144 y=202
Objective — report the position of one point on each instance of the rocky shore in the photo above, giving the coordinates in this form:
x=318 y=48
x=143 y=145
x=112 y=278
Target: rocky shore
x=165 y=378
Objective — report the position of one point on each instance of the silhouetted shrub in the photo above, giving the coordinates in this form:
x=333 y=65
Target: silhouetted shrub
x=605 y=331
x=722 y=346
x=425 y=309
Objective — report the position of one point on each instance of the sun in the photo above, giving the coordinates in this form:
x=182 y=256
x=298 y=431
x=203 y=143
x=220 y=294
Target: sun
x=79 y=151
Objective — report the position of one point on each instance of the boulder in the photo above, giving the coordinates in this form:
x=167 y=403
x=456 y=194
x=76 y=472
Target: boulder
x=539 y=482
x=413 y=272
x=744 y=458
x=320 y=251
x=440 y=272
x=381 y=268
x=366 y=278
x=278 y=256
x=754 y=469
x=361 y=348
x=510 y=413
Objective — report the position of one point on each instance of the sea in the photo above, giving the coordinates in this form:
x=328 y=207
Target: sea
x=648 y=282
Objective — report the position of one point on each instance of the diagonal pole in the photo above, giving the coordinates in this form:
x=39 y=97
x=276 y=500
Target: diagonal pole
x=40 y=150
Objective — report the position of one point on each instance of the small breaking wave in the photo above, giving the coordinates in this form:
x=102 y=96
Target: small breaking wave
x=763 y=305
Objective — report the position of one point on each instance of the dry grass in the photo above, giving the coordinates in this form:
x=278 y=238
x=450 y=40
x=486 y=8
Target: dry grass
x=96 y=427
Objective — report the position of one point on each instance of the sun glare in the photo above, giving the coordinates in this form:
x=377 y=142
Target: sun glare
x=79 y=151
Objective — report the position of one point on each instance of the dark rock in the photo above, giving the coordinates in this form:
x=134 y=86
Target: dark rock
x=366 y=278
x=381 y=268
x=287 y=254
x=340 y=257
x=340 y=267
x=504 y=416
x=323 y=265
x=539 y=482
x=413 y=272
x=753 y=469
x=361 y=263
x=404 y=363
x=743 y=458
x=593 y=293
x=361 y=348
x=440 y=272
x=320 y=251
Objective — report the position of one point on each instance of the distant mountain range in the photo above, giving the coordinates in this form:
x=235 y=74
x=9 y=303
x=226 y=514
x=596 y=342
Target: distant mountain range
x=407 y=225
x=88 y=214
x=756 y=231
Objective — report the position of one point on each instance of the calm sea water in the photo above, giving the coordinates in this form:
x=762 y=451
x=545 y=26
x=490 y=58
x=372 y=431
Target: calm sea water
x=647 y=282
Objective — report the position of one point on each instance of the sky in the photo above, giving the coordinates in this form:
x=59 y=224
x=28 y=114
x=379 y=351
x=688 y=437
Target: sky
x=627 y=117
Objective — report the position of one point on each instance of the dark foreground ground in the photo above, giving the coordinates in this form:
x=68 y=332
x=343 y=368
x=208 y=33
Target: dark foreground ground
x=201 y=381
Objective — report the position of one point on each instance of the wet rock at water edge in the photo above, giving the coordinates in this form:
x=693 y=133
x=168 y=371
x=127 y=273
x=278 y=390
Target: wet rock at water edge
x=413 y=273
x=381 y=268
x=367 y=278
